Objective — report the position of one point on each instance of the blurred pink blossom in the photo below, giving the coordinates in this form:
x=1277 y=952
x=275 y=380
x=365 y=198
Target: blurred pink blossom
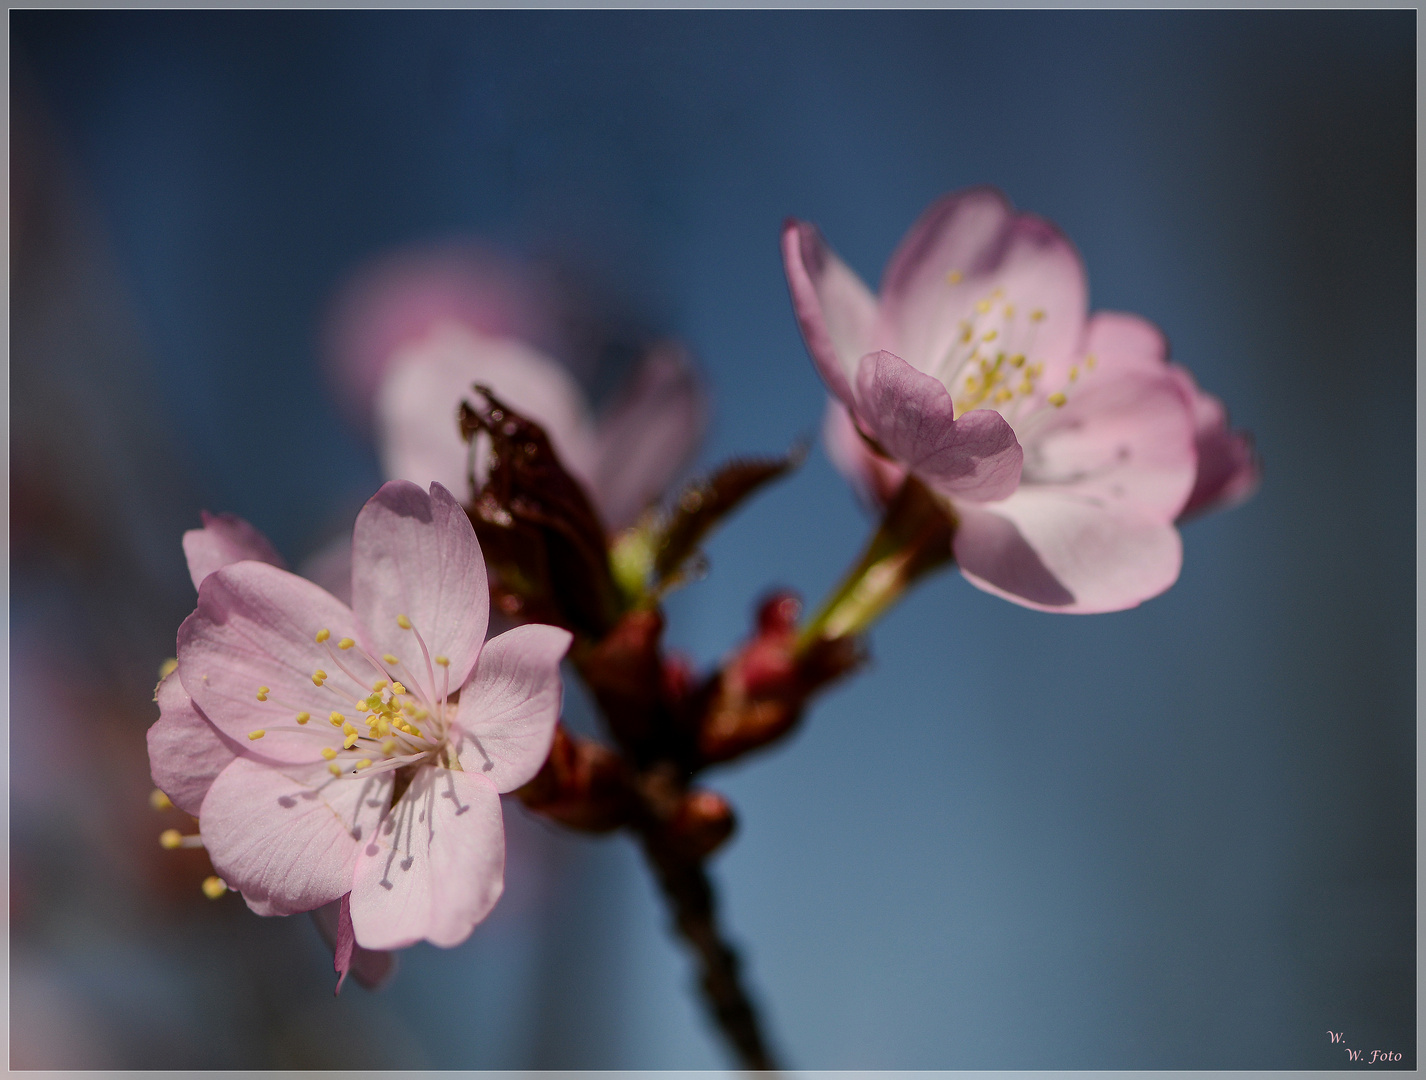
x=405 y=817
x=1065 y=444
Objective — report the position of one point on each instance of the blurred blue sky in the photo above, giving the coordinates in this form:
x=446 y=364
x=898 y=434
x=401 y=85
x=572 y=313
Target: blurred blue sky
x=1177 y=837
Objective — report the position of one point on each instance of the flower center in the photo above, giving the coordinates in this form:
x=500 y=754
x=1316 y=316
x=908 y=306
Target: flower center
x=991 y=363
x=384 y=714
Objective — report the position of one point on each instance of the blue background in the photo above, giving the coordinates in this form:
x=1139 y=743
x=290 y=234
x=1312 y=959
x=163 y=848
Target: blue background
x=1177 y=837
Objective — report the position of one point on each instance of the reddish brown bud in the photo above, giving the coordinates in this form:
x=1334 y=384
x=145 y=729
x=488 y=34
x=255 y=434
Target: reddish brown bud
x=582 y=785
x=679 y=681
x=778 y=613
x=702 y=822
x=626 y=675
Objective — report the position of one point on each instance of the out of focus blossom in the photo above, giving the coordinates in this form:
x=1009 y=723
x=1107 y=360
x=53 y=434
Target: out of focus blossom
x=1228 y=466
x=409 y=338
x=397 y=820
x=1064 y=444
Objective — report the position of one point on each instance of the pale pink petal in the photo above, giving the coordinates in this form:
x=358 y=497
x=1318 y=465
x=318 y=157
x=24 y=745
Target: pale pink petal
x=1119 y=442
x=910 y=415
x=415 y=555
x=418 y=402
x=971 y=248
x=224 y=539
x=370 y=967
x=648 y=436
x=1228 y=467
x=290 y=842
x=185 y=751
x=1121 y=342
x=1049 y=550
x=874 y=478
x=836 y=311
x=509 y=708
x=436 y=866
x=256 y=626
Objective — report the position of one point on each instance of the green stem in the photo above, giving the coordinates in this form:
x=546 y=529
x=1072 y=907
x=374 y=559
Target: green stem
x=913 y=539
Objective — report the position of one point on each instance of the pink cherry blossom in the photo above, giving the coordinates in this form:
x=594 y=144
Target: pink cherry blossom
x=625 y=460
x=1064 y=443
x=397 y=804
x=1228 y=467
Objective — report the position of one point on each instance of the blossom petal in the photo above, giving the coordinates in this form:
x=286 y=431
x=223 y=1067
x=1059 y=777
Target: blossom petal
x=415 y=555
x=370 y=967
x=290 y=842
x=971 y=247
x=1228 y=467
x=975 y=457
x=255 y=626
x=836 y=311
x=648 y=436
x=874 y=478
x=419 y=399
x=436 y=866
x=224 y=539
x=186 y=752
x=1047 y=549
x=1121 y=342
x=1120 y=442
x=509 y=708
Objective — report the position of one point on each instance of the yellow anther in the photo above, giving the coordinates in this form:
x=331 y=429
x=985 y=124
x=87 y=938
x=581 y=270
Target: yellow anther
x=967 y=334
x=345 y=643
x=159 y=801
x=389 y=746
x=420 y=714
x=364 y=763
x=1003 y=395
x=170 y=839
x=1073 y=374
x=303 y=717
x=1036 y=369
x=397 y=688
x=258 y=734
x=391 y=659
x=379 y=685
x=408 y=708
x=168 y=667
x=349 y=741
x=328 y=753
x=1018 y=360
x=349 y=728
x=954 y=277
x=998 y=293
x=1057 y=399
x=319 y=677
x=443 y=661
x=334 y=769
x=1026 y=387
x=982 y=306
x=403 y=622
x=1037 y=315
x=1010 y=311
x=323 y=634
x=383 y=726
x=990 y=335
x=1090 y=361
x=214 y=887
x=262 y=692
x=337 y=719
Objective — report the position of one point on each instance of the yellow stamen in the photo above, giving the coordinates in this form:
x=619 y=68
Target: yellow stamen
x=1090 y=361
x=403 y=622
x=1057 y=399
x=982 y=306
x=379 y=685
x=334 y=769
x=349 y=728
x=328 y=753
x=397 y=688
x=170 y=839
x=1003 y=395
x=319 y=677
x=323 y=634
x=214 y=887
x=168 y=667
x=258 y=734
x=955 y=277
x=1010 y=311
x=337 y=719
x=1037 y=315
x=391 y=659
x=389 y=746
x=303 y=717
x=345 y=643
x=349 y=741
x=1073 y=374
x=262 y=692
x=159 y=801
x=1018 y=360
x=443 y=661
x=364 y=763
x=990 y=335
